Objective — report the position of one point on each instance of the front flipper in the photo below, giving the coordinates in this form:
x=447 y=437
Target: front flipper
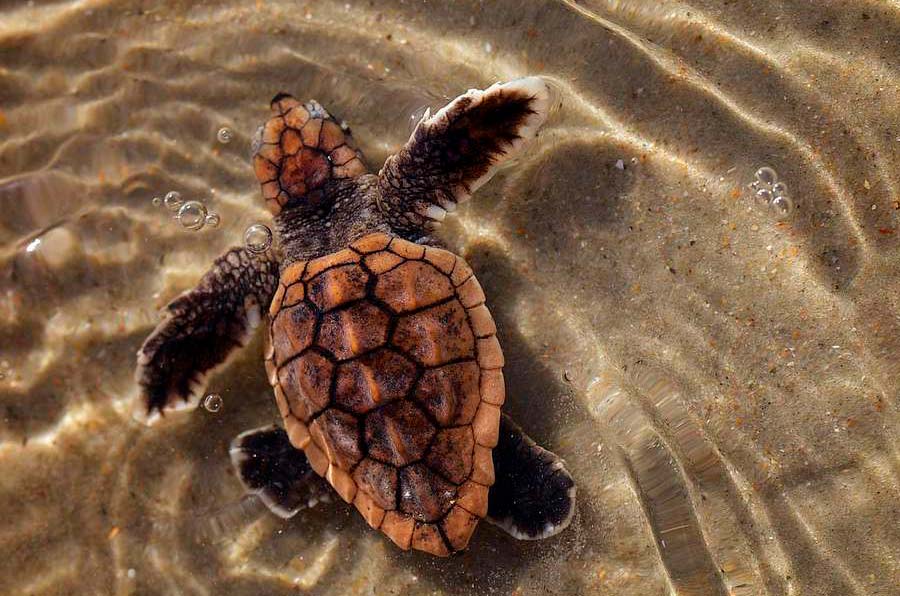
x=533 y=496
x=202 y=328
x=455 y=151
x=269 y=466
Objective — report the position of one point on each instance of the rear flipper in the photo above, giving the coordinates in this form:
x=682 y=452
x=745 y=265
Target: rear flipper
x=270 y=467
x=533 y=496
x=202 y=328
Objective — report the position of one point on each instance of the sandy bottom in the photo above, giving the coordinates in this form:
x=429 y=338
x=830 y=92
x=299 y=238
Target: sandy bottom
x=722 y=383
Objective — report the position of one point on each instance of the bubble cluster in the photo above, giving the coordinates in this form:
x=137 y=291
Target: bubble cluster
x=225 y=135
x=767 y=189
x=192 y=215
x=212 y=402
x=258 y=238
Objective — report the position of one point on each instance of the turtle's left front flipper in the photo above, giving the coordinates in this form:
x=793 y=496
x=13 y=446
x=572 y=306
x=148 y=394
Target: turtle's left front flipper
x=202 y=328
x=533 y=496
x=455 y=151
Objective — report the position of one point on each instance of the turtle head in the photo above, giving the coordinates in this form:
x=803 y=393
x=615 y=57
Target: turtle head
x=299 y=151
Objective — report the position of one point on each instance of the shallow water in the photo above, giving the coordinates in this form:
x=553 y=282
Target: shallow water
x=723 y=384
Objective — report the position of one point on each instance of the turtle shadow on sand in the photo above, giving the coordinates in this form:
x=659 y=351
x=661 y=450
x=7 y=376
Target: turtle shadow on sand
x=538 y=395
x=540 y=400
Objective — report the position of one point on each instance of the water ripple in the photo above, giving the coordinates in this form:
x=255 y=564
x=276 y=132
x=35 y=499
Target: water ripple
x=722 y=384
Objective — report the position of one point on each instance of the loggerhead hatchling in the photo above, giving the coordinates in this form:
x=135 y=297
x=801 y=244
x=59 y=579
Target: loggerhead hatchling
x=381 y=352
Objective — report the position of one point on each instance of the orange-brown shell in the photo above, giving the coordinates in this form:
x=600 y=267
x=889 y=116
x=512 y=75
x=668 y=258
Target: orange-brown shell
x=387 y=372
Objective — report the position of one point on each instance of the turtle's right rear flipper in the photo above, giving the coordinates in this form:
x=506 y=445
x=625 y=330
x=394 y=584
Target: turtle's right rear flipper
x=202 y=328
x=533 y=496
x=270 y=467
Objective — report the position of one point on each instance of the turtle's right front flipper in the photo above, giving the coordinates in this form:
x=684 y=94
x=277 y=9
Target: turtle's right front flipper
x=453 y=152
x=202 y=328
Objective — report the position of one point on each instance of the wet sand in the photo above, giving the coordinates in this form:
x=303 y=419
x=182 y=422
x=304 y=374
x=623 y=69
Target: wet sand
x=722 y=383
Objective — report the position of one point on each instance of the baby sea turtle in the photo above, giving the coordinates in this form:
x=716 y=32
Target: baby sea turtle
x=381 y=352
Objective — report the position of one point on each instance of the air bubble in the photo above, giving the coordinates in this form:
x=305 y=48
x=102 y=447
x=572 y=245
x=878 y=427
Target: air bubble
x=212 y=402
x=779 y=188
x=764 y=194
x=258 y=238
x=766 y=175
x=212 y=220
x=173 y=200
x=782 y=206
x=192 y=215
x=225 y=135
x=156 y=202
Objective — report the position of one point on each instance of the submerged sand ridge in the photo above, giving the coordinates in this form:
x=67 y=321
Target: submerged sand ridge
x=722 y=383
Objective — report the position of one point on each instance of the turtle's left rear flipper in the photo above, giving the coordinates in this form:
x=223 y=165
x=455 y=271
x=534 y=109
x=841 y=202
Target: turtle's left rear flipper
x=533 y=496
x=202 y=328
x=270 y=467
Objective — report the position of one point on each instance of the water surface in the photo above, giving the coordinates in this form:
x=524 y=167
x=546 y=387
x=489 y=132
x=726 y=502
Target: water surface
x=722 y=383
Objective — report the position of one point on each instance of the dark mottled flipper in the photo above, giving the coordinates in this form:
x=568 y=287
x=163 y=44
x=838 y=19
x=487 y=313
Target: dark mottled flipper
x=269 y=466
x=533 y=495
x=453 y=152
x=202 y=328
